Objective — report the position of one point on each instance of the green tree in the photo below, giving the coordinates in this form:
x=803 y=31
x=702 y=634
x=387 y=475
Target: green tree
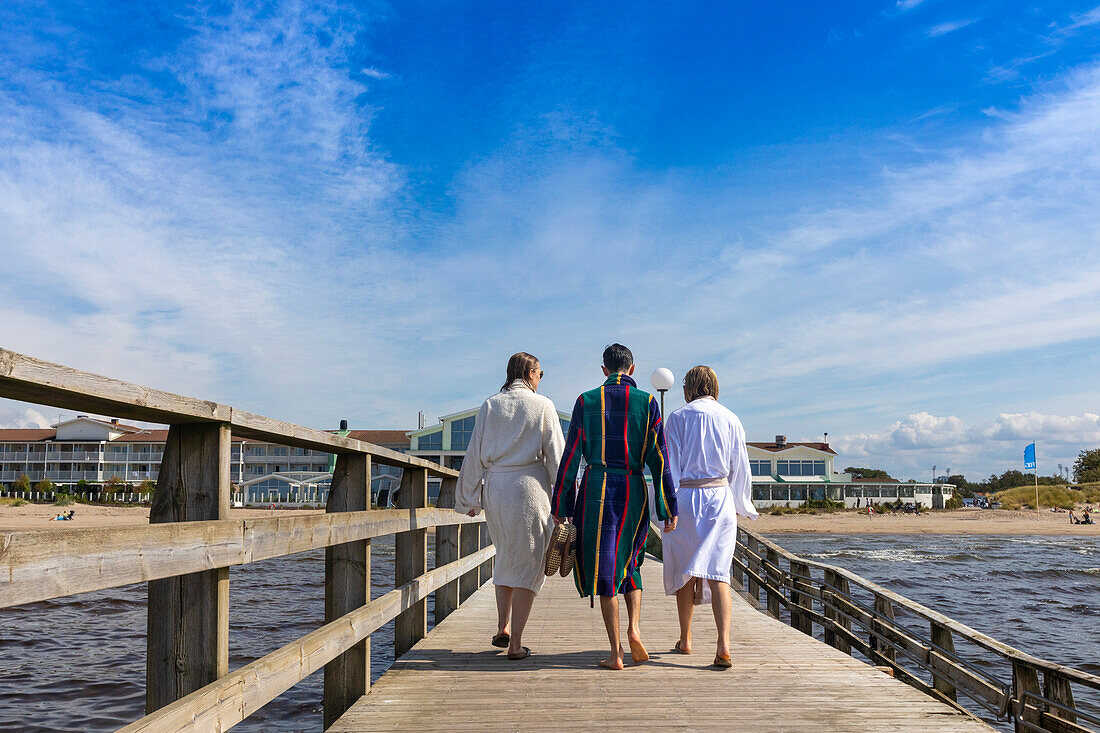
x=147 y=486
x=1086 y=469
x=83 y=485
x=44 y=485
x=962 y=486
x=23 y=483
x=871 y=473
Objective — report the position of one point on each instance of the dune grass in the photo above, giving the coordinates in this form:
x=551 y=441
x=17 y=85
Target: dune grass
x=1023 y=497
x=12 y=501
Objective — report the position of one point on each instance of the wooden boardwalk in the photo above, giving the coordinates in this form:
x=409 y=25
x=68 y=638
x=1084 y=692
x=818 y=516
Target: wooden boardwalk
x=782 y=680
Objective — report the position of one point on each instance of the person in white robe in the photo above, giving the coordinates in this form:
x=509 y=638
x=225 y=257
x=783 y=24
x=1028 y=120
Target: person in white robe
x=509 y=471
x=709 y=462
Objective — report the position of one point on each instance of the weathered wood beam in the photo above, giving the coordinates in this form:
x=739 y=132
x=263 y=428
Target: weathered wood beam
x=234 y=697
x=188 y=615
x=411 y=561
x=469 y=542
x=43 y=564
x=446 y=551
x=347 y=587
x=41 y=382
x=941 y=637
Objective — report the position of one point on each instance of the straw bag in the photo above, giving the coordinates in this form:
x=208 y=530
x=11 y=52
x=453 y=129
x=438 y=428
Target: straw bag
x=561 y=551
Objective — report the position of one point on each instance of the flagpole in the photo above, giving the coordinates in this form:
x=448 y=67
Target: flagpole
x=1037 y=518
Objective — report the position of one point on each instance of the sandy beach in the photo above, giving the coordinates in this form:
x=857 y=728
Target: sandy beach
x=960 y=521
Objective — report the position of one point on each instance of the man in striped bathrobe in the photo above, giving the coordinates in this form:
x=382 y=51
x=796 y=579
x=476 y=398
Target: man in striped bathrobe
x=617 y=428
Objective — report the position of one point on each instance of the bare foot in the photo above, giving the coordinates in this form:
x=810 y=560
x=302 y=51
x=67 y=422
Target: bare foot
x=637 y=649
x=615 y=661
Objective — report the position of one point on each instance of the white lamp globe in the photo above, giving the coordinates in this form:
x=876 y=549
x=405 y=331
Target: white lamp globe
x=662 y=379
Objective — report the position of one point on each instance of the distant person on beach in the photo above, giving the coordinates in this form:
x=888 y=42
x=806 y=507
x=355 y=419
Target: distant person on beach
x=617 y=428
x=1073 y=518
x=508 y=470
x=709 y=462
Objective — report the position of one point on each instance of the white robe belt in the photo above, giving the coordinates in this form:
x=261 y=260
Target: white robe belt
x=703 y=483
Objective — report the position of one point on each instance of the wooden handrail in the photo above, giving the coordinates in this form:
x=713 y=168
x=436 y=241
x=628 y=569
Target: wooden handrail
x=33 y=380
x=43 y=564
x=232 y=698
x=970 y=634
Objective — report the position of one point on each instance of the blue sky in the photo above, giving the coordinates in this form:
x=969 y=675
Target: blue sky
x=875 y=219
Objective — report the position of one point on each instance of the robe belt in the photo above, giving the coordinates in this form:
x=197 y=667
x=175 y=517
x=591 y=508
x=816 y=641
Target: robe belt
x=703 y=483
x=496 y=470
x=613 y=471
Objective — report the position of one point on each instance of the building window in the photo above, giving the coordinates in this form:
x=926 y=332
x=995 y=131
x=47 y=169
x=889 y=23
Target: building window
x=800 y=468
x=278 y=450
x=781 y=494
x=564 y=426
x=431 y=441
x=461 y=431
x=256 y=450
x=257 y=470
x=761 y=468
x=761 y=495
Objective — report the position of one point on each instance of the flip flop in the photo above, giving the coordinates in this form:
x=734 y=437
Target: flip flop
x=638 y=652
x=522 y=655
x=722 y=662
x=501 y=640
x=678 y=649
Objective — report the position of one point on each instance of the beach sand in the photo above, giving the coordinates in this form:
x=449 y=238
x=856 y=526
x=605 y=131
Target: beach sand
x=960 y=521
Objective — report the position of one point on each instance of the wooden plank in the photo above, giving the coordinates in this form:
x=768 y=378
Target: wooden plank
x=884 y=612
x=1024 y=680
x=782 y=680
x=41 y=382
x=775 y=578
x=44 y=564
x=469 y=542
x=1057 y=689
x=446 y=551
x=836 y=586
x=801 y=602
x=188 y=615
x=485 y=572
x=347 y=587
x=231 y=699
x=411 y=561
x=941 y=638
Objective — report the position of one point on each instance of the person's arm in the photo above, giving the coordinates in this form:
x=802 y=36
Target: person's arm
x=553 y=443
x=565 y=487
x=740 y=476
x=468 y=491
x=656 y=457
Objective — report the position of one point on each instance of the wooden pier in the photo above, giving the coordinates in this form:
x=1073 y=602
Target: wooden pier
x=781 y=681
x=784 y=677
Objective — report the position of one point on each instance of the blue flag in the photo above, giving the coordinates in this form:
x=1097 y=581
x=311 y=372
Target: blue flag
x=1029 y=457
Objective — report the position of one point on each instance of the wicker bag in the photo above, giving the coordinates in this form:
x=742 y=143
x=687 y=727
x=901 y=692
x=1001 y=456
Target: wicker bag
x=561 y=551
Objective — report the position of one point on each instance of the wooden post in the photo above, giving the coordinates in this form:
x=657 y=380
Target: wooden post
x=941 y=637
x=774 y=581
x=188 y=615
x=754 y=566
x=469 y=540
x=446 y=551
x=485 y=570
x=1025 y=679
x=1056 y=688
x=411 y=560
x=838 y=582
x=800 y=572
x=739 y=551
x=881 y=652
x=347 y=587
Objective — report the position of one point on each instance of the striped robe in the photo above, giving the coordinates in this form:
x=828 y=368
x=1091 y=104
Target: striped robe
x=618 y=430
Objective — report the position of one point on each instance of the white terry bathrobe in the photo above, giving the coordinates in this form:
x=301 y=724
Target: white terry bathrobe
x=705 y=441
x=509 y=471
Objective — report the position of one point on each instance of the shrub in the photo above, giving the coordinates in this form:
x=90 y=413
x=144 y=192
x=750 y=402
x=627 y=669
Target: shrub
x=63 y=500
x=45 y=485
x=955 y=502
x=147 y=486
x=23 y=483
x=18 y=501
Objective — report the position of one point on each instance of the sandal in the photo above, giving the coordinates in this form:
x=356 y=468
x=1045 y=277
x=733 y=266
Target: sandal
x=722 y=662
x=501 y=640
x=679 y=649
x=523 y=654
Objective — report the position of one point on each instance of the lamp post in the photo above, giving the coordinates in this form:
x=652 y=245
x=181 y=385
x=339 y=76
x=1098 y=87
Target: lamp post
x=662 y=381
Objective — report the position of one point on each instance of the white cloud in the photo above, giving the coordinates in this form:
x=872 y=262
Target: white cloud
x=908 y=4
x=941 y=29
x=17 y=415
x=374 y=73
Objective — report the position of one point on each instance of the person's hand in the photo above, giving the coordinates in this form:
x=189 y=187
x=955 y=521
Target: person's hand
x=559 y=520
x=472 y=513
x=670 y=524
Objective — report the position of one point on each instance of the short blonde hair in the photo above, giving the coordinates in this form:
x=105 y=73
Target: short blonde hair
x=700 y=381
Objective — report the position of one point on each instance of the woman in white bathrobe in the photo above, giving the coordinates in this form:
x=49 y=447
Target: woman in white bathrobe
x=710 y=470
x=509 y=471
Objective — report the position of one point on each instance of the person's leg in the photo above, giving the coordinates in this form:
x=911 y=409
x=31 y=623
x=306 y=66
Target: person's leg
x=685 y=606
x=522 y=600
x=723 y=608
x=504 y=607
x=609 y=607
x=633 y=615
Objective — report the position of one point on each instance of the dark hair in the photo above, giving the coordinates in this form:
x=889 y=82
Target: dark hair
x=519 y=367
x=617 y=358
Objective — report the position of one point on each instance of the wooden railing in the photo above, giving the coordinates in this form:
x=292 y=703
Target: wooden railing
x=916 y=643
x=191 y=542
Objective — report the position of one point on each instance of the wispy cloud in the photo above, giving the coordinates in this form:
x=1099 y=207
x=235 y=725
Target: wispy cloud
x=941 y=29
x=908 y=4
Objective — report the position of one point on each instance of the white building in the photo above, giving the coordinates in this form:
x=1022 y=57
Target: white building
x=95 y=451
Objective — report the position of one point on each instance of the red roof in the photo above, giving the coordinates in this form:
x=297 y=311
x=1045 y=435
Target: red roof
x=775 y=447
x=27 y=435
